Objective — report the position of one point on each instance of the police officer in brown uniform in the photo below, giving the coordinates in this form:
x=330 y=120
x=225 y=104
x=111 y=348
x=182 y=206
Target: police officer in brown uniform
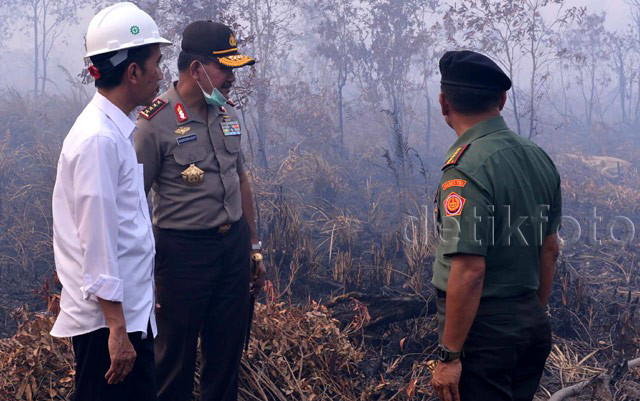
x=189 y=143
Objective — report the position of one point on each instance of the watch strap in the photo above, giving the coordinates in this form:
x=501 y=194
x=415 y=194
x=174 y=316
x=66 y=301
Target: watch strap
x=447 y=355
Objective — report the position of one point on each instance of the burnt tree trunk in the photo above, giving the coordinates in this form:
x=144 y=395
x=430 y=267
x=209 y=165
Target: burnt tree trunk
x=383 y=309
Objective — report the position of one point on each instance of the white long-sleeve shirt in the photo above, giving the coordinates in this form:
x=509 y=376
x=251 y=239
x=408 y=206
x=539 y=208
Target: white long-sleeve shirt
x=102 y=237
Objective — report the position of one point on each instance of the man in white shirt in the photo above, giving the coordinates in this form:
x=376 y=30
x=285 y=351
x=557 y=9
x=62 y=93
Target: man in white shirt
x=102 y=236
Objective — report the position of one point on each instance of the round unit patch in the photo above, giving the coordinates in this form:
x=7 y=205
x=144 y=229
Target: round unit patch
x=453 y=204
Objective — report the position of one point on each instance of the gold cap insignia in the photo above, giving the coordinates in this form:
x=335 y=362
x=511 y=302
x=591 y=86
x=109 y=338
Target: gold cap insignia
x=193 y=176
x=232 y=40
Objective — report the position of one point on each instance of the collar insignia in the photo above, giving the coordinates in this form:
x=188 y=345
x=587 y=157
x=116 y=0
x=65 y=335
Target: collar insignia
x=453 y=160
x=153 y=109
x=181 y=113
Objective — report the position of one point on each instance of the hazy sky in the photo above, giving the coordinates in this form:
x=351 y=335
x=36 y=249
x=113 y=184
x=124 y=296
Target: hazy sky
x=617 y=10
x=16 y=62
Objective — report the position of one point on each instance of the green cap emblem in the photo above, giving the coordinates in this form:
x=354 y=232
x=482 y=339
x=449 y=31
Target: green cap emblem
x=135 y=30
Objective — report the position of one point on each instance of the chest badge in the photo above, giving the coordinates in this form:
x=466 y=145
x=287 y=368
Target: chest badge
x=181 y=113
x=230 y=128
x=182 y=130
x=453 y=204
x=193 y=175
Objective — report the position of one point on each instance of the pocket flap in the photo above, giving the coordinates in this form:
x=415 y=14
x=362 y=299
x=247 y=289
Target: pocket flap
x=232 y=143
x=186 y=156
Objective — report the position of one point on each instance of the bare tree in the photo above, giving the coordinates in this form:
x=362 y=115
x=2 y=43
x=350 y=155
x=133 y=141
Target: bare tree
x=47 y=20
x=634 y=9
x=494 y=27
x=512 y=31
x=541 y=35
x=587 y=49
x=268 y=23
x=395 y=40
x=340 y=41
x=430 y=48
x=630 y=44
x=620 y=50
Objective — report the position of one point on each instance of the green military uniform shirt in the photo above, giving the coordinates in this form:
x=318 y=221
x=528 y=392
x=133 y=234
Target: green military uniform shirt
x=499 y=197
x=191 y=166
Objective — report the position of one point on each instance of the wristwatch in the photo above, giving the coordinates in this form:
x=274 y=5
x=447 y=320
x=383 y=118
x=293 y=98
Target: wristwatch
x=257 y=246
x=446 y=355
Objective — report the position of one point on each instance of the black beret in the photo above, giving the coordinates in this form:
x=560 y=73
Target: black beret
x=216 y=41
x=472 y=70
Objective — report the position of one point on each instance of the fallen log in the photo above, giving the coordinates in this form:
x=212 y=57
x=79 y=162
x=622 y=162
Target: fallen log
x=577 y=388
x=383 y=309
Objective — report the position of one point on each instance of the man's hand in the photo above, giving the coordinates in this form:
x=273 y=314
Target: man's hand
x=548 y=258
x=258 y=277
x=122 y=354
x=445 y=380
x=121 y=351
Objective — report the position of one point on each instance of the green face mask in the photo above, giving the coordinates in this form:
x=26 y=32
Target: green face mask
x=215 y=98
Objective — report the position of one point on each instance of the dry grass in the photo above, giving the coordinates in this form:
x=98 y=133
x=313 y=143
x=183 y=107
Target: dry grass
x=330 y=226
x=34 y=365
x=296 y=353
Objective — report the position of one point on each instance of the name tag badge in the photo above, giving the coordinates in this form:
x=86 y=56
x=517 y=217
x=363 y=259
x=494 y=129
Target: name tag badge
x=187 y=139
x=230 y=128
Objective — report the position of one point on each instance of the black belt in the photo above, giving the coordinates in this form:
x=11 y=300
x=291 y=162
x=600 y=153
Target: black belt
x=207 y=232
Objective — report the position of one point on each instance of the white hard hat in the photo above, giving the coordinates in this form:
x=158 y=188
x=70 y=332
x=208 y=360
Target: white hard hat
x=121 y=26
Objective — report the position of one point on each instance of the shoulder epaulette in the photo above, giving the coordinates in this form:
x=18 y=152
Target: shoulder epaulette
x=453 y=160
x=153 y=109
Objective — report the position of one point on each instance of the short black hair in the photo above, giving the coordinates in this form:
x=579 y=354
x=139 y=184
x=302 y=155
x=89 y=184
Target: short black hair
x=110 y=76
x=466 y=100
x=186 y=58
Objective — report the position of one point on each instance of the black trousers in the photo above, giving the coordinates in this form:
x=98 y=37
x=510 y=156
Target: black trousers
x=202 y=290
x=505 y=351
x=93 y=361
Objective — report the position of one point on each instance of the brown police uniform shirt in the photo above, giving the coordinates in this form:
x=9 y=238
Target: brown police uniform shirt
x=191 y=166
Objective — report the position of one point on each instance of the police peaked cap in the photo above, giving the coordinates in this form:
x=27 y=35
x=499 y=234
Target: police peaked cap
x=216 y=41
x=469 y=69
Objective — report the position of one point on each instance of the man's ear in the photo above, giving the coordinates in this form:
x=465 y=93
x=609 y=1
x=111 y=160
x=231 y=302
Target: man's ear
x=133 y=73
x=193 y=69
x=444 y=105
x=503 y=99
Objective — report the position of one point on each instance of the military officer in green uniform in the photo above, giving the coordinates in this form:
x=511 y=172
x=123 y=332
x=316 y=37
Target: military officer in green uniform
x=189 y=143
x=498 y=208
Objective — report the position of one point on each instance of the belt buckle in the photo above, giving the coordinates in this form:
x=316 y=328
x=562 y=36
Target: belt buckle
x=224 y=228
